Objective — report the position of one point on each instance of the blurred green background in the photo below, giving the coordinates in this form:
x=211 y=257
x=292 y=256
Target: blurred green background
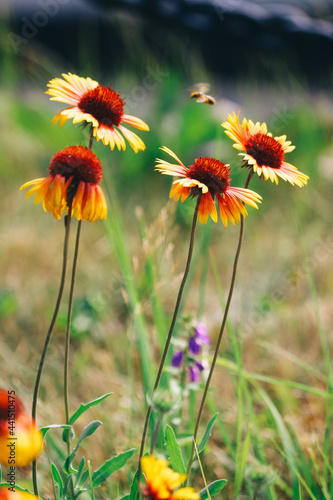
x=281 y=323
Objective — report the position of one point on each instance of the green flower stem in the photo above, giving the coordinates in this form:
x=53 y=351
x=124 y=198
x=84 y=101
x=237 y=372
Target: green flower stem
x=219 y=340
x=68 y=330
x=47 y=340
x=67 y=343
x=91 y=138
x=156 y=431
x=168 y=340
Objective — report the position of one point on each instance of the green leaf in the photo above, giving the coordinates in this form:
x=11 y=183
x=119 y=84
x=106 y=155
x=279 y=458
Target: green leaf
x=71 y=435
x=17 y=487
x=67 y=481
x=213 y=488
x=110 y=466
x=174 y=450
x=79 y=471
x=84 y=407
x=83 y=480
x=134 y=487
x=57 y=478
x=126 y=497
x=207 y=434
x=45 y=429
x=241 y=457
x=87 y=431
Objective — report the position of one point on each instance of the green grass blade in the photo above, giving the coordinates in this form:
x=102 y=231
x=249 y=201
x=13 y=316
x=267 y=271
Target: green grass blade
x=151 y=276
x=243 y=447
x=327 y=359
x=285 y=438
x=115 y=232
x=221 y=427
x=252 y=377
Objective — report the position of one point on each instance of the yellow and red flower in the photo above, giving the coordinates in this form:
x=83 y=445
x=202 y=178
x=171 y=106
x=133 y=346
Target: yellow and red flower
x=162 y=483
x=262 y=152
x=20 y=441
x=14 y=494
x=75 y=174
x=100 y=106
x=209 y=179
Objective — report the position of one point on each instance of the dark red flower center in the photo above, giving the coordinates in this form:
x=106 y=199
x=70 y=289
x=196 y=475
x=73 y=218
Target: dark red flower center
x=9 y=404
x=266 y=150
x=79 y=162
x=104 y=104
x=213 y=173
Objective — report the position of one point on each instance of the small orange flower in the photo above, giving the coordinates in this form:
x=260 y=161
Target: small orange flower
x=10 y=493
x=101 y=106
x=210 y=179
x=20 y=441
x=75 y=173
x=263 y=152
x=162 y=482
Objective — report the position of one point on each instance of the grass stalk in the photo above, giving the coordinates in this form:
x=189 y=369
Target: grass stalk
x=67 y=344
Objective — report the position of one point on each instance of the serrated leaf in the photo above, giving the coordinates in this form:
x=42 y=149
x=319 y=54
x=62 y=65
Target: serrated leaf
x=17 y=487
x=57 y=478
x=110 y=466
x=174 y=450
x=207 y=433
x=84 y=407
x=46 y=428
x=213 y=488
x=87 y=431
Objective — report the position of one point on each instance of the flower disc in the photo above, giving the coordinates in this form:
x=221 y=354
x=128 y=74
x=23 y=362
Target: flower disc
x=79 y=162
x=213 y=173
x=266 y=150
x=104 y=104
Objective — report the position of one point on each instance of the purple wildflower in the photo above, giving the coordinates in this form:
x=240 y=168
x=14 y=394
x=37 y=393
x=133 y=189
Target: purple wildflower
x=193 y=346
x=177 y=359
x=200 y=331
x=194 y=371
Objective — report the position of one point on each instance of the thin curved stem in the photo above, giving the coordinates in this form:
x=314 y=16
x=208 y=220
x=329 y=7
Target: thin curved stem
x=47 y=340
x=91 y=138
x=173 y=322
x=219 y=340
x=67 y=342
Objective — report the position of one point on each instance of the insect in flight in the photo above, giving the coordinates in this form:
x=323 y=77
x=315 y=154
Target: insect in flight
x=199 y=93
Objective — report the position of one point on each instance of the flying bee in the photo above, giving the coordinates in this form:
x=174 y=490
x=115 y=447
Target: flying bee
x=199 y=94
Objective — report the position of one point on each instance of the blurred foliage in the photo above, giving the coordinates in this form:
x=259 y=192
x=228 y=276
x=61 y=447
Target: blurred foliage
x=272 y=308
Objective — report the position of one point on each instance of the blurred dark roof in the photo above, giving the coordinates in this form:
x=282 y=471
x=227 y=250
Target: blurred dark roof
x=230 y=33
